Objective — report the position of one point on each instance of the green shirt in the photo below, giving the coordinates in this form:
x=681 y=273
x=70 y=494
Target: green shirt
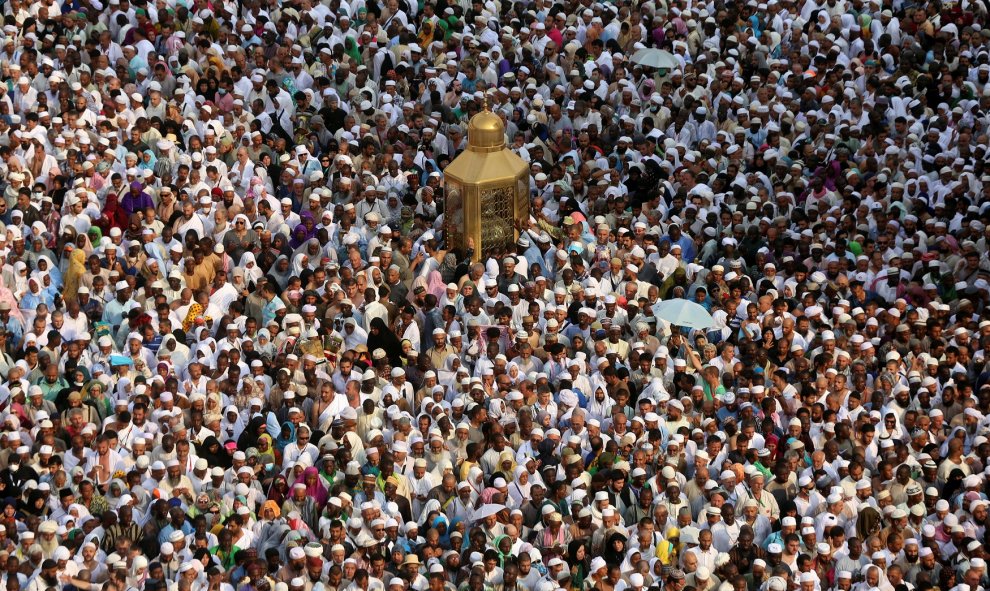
x=226 y=558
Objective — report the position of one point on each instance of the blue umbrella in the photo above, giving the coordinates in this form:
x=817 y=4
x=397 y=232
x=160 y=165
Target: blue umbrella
x=681 y=312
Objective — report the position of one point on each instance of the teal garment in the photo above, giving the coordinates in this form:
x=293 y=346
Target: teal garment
x=50 y=390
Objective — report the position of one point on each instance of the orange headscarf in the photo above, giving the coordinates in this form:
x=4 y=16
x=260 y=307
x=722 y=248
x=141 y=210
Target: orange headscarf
x=269 y=504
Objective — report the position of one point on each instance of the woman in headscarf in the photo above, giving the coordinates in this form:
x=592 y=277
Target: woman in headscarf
x=430 y=510
x=315 y=487
x=873 y=578
x=255 y=428
x=115 y=492
x=503 y=547
x=171 y=349
x=631 y=563
x=277 y=538
x=264 y=346
x=252 y=272
x=381 y=337
x=7 y=295
x=34 y=296
x=868 y=522
x=20 y=283
x=953 y=484
x=94 y=394
x=426 y=34
x=147 y=161
x=114 y=216
x=311 y=248
x=286 y=436
x=280 y=244
x=719 y=330
x=269 y=523
x=266 y=450
x=352 y=50
x=299 y=236
x=507 y=462
x=355 y=445
x=579 y=560
x=195 y=311
x=232 y=423
x=516 y=376
x=448 y=374
x=45 y=264
x=36 y=504
x=279 y=490
x=39 y=239
x=213 y=452
x=519 y=489
x=281 y=271
x=300 y=264
x=614 y=551
x=497 y=408
x=301 y=233
x=353 y=334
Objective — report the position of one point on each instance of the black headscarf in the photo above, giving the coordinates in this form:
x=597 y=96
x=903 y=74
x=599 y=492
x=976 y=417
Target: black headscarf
x=610 y=554
x=386 y=341
x=218 y=458
x=249 y=437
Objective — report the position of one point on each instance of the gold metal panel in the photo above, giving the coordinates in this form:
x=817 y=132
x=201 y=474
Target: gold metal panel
x=497 y=216
x=454 y=216
x=487 y=191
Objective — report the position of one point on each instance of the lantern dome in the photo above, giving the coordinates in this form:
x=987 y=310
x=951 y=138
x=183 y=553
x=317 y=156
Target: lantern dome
x=486 y=132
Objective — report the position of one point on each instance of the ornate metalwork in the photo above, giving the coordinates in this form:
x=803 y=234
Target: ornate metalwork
x=497 y=214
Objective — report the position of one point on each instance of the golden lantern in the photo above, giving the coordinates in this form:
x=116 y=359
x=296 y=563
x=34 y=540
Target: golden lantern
x=487 y=190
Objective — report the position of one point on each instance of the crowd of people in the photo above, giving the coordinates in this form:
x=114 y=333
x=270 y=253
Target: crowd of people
x=238 y=352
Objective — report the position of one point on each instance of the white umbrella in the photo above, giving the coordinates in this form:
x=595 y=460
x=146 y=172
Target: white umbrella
x=487 y=510
x=651 y=57
x=681 y=312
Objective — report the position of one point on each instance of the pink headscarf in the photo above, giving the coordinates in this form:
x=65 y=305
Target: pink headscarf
x=316 y=490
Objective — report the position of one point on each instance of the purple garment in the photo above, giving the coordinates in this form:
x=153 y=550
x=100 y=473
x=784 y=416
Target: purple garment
x=658 y=37
x=132 y=203
x=301 y=234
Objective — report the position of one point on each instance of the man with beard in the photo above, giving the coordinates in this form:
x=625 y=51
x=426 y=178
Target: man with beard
x=642 y=508
x=176 y=484
x=47 y=539
x=189 y=221
x=926 y=570
x=47 y=578
x=294 y=567
x=316 y=567
x=176 y=530
x=96 y=568
x=909 y=558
